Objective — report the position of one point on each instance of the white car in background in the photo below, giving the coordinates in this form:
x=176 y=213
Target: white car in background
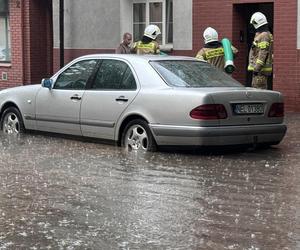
x=144 y=102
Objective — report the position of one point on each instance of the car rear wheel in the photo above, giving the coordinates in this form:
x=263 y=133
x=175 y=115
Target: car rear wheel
x=137 y=136
x=12 y=122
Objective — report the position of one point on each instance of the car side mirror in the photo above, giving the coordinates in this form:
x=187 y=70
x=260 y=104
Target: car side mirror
x=47 y=83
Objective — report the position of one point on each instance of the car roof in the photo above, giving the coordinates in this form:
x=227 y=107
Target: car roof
x=134 y=57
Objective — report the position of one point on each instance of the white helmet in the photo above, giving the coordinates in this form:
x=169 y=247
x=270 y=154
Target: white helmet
x=258 y=19
x=210 y=35
x=152 y=31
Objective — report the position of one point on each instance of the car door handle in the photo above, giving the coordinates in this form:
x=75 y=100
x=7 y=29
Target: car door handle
x=75 y=97
x=121 y=99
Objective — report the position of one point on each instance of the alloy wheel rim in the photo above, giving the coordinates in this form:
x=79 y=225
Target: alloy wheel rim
x=136 y=138
x=11 y=124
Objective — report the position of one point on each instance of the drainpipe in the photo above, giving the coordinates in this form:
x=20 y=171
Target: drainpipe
x=61 y=33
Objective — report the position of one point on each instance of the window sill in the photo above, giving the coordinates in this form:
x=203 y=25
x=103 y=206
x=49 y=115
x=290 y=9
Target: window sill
x=5 y=64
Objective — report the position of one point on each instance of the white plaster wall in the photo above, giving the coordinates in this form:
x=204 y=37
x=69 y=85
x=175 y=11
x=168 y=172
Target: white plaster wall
x=182 y=26
x=100 y=24
x=55 y=5
x=125 y=17
x=88 y=23
x=183 y=21
x=298 y=26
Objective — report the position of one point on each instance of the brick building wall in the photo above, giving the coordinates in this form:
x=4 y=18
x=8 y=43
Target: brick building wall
x=286 y=59
x=227 y=20
x=39 y=41
x=14 y=70
x=33 y=56
x=31 y=43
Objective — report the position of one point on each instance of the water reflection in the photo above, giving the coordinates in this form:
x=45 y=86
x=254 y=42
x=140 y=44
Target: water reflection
x=57 y=193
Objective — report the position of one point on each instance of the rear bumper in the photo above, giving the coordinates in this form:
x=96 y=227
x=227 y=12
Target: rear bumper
x=217 y=136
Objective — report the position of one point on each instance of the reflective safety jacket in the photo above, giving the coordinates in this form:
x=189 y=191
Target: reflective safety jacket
x=261 y=53
x=214 y=56
x=141 y=48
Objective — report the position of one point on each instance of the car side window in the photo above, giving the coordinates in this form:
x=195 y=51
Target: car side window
x=114 y=75
x=76 y=76
x=128 y=81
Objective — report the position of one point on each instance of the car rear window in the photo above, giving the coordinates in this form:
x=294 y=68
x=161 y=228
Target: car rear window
x=193 y=74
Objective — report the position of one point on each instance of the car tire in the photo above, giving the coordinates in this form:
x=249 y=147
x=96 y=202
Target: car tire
x=11 y=121
x=138 y=136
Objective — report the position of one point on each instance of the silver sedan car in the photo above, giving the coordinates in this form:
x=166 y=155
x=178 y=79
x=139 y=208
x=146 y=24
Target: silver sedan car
x=144 y=102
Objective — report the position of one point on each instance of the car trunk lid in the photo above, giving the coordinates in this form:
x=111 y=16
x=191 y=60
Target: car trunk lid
x=247 y=106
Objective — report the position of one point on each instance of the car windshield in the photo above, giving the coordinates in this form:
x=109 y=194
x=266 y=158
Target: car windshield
x=193 y=74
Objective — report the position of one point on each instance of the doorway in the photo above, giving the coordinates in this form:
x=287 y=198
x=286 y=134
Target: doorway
x=244 y=32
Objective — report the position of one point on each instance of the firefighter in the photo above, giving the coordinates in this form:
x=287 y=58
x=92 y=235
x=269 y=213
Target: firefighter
x=148 y=45
x=213 y=51
x=261 y=52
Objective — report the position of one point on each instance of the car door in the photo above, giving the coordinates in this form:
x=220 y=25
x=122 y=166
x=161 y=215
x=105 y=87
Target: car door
x=57 y=109
x=113 y=89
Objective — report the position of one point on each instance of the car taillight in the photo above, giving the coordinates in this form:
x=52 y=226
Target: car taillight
x=277 y=110
x=209 y=112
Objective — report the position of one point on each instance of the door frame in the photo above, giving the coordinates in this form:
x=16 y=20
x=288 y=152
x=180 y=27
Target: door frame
x=243 y=35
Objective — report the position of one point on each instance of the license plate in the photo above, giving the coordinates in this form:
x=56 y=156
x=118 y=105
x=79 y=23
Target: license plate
x=245 y=109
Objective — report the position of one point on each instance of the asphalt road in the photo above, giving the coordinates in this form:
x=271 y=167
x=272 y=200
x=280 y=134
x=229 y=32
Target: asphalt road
x=58 y=193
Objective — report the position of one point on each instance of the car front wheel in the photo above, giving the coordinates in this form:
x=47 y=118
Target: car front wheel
x=12 y=122
x=137 y=136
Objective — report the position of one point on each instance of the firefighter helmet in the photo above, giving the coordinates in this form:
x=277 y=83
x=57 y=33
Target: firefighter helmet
x=210 y=35
x=152 y=31
x=258 y=19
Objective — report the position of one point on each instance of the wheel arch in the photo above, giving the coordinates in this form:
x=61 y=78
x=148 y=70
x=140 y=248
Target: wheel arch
x=19 y=126
x=8 y=105
x=125 y=122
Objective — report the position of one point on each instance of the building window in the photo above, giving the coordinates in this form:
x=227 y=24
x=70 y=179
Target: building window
x=159 y=12
x=5 y=54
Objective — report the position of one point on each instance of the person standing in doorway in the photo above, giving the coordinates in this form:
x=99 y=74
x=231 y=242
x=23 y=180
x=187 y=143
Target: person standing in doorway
x=124 y=47
x=213 y=51
x=148 y=44
x=261 y=52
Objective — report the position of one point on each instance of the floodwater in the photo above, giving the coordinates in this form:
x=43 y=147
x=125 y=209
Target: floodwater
x=58 y=193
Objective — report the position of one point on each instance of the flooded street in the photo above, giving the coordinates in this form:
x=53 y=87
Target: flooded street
x=58 y=193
